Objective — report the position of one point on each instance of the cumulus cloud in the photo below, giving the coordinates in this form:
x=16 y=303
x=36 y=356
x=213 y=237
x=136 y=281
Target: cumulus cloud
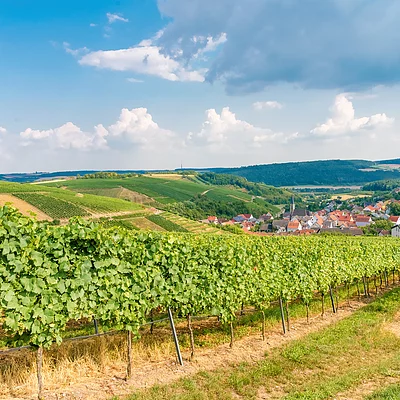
x=92 y=25
x=2 y=130
x=115 y=17
x=225 y=131
x=67 y=136
x=143 y=59
x=138 y=127
x=344 y=122
x=297 y=42
x=263 y=105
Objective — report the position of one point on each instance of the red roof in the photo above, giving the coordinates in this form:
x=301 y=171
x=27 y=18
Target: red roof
x=363 y=218
x=393 y=218
x=293 y=224
x=211 y=218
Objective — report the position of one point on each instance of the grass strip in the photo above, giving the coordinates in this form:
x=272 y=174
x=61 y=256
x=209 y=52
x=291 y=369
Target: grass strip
x=315 y=367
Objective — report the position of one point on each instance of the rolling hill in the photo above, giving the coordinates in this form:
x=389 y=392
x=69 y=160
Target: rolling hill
x=326 y=172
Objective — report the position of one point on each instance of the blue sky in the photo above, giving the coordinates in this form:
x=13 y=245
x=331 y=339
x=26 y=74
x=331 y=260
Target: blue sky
x=148 y=84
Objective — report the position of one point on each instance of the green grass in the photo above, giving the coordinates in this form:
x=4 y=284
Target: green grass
x=53 y=207
x=392 y=392
x=166 y=224
x=318 y=366
x=190 y=225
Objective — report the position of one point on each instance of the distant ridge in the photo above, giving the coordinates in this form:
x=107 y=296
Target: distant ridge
x=321 y=172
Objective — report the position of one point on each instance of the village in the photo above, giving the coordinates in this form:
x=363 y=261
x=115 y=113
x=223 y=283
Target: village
x=300 y=221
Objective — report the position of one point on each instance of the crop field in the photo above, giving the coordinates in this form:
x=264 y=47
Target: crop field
x=60 y=203
x=145 y=223
x=166 y=224
x=191 y=226
x=51 y=206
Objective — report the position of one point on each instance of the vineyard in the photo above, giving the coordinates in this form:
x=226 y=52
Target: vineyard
x=51 y=206
x=50 y=275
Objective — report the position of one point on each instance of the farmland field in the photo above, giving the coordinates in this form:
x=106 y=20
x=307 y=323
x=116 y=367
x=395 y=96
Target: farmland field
x=160 y=189
x=60 y=203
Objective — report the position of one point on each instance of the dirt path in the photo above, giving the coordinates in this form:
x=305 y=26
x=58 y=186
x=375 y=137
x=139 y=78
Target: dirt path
x=250 y=349
x=24 y=207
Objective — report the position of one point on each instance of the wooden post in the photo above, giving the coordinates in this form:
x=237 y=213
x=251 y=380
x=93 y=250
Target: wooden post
x=308 y=313
x=263 y=324
x=189 y=323
x=129 y=352
x=322 y=304
x=39 y=365
x=232 y=338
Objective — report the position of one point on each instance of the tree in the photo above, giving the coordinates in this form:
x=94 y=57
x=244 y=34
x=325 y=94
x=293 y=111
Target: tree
x=395 y=209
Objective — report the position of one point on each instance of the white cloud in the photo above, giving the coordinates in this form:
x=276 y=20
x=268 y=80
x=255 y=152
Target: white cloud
x=134 y=80
x=344 y=122
x=74 y=52
x=137 y=126
x=3 y=130
x=145 y=59
x=116 y=17
x=225 y=131
x=262 y=105
x=92 y=25
x=67 y=136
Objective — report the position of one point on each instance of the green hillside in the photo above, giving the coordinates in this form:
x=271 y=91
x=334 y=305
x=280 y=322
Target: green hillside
x=327 y=172
x=184 y=195
x=60 y=203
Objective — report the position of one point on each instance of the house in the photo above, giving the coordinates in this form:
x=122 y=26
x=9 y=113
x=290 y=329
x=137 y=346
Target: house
x=394 y=219
x=266 y=217
x=363 y=220
x=396 y=231
x=294 y=225
x=280 y=225
x=369 y=209
x=266 y=227
x=212 y=220
x=238 y=219
x=357 y=209
x=384 y=233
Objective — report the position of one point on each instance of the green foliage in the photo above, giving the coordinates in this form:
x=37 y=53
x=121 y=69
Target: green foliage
x=51 y=206
x=395 y=209
x=52 y=274
x=200 y=207
x=164 y=223
x=382 y=186
x=327 y=172
x=269 y=193
x=379 y=225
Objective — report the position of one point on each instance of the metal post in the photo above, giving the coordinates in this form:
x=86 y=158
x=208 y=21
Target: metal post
x=96 y=326
x=332 y=301
x=282 y=315
x=178 y=350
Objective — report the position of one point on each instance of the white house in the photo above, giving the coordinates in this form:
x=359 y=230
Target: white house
x=396 y=231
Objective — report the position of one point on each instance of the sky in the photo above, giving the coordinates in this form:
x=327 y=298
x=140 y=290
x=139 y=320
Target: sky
x=147 y=84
